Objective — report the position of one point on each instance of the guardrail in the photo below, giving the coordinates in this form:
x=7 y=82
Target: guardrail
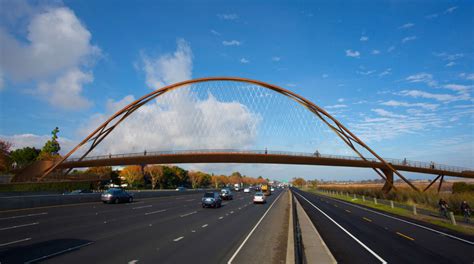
x=400 y=162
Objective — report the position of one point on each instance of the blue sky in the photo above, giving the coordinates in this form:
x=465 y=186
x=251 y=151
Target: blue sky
x=399 y=74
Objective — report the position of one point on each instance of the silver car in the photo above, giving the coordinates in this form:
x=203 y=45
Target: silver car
x=116 y=195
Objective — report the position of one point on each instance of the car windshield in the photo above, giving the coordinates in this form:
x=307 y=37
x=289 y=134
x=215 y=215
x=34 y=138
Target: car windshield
x=259 y=194
x=209 y=195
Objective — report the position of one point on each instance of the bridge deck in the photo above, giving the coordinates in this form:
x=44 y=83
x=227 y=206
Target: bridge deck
x=262 y=158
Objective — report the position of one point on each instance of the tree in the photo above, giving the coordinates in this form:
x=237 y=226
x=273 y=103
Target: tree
x=299 y=182
x=132 y=174
x=101 y=171
x=24 y=156
x=51 y=148
x=5 y=160
x=156 y=173
x=195 y=178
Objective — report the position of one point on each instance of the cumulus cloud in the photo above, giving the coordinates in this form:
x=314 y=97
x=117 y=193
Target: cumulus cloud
x=351 y=53
x=168 y=68
x=231 y=43
x=56 y=49
x=467 y=76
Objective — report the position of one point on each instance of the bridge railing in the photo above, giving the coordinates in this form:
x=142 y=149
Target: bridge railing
x=400 y=162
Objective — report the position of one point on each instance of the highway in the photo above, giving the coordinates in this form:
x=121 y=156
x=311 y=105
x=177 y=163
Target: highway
x=156 y=230
x=355 y=234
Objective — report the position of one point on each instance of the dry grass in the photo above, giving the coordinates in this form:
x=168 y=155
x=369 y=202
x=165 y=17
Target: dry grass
x=405 y=194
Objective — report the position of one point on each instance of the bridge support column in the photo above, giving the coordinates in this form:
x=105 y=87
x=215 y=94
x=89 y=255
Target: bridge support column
x=389 y=180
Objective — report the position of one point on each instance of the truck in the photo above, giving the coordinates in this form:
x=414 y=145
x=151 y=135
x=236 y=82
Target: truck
x=237 y=187
x=266 y=190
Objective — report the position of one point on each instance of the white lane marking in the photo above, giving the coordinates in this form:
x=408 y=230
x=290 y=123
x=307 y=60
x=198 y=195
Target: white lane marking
x=140 y=207
x=21 y=216
x=155 y=212
x=347 y=232
x=16 y=241
x=178 y=239
x=203 y=226
x=190 y=200
x=231 y=212
x=193 y=231
x=58 y=253
x=188 y=214
x=133 y=261
x=251 y=232
x=17 y=226
x=408 y=222
x=221 y=217
x=135 y=203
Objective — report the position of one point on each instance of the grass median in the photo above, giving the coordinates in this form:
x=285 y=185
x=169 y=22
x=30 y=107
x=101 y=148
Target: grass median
x=461 y=228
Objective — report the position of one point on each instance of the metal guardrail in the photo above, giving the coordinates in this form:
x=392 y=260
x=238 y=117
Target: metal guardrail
x=400 y=162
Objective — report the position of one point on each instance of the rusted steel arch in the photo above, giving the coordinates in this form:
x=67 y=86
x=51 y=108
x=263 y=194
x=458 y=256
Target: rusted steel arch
x=345 y=134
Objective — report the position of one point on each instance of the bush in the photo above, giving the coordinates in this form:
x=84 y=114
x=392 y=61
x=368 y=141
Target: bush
x=460 y=187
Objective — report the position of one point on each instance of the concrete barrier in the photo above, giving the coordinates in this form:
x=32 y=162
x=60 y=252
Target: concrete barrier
x=32 y=201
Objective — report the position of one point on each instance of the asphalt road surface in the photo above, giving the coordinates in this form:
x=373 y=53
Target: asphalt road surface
x=355 y=234
x=157 y=230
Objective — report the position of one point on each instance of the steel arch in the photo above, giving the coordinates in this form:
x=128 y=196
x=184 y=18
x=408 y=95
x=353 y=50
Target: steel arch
x=345 y=134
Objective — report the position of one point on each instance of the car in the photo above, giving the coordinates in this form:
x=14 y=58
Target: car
x=211 y=199
x=85 y=191
x=272 y=189
x=259 y=197
x=226 y=194
x=246 y=190
x=116 y=195
x=181 y=189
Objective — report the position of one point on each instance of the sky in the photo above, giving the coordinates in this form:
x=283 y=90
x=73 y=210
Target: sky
x=399 y=74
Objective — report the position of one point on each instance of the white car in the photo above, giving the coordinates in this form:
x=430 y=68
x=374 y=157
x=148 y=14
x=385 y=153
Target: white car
x=272 y=189
x=259 y=197
x=246 y=190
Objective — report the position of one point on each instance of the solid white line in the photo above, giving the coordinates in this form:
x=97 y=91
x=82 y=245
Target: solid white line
x=155 y=212
x=16 y=241
x=188 y=214
x=17 y=226
x=251 y=232
x=177 y=239
x=140 y=207
x=204 y=225
x=347 y=232
x=57 y=253
x=408 y=222
x=21 y=216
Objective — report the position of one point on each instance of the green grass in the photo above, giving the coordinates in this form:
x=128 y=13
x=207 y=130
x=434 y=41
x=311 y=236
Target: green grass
x=402 y=212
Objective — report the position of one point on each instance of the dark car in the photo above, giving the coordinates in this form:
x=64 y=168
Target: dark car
x=116 y=195
x=226 y=194
x=211 y=199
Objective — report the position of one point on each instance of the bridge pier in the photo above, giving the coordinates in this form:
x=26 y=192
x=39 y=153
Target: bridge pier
x=389 y=180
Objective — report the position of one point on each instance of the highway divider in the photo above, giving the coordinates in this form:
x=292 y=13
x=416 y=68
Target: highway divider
x=32 y=201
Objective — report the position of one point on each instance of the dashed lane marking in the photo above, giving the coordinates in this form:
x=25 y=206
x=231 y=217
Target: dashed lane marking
x=21 y=216
x=203 y=226
x=184 y=215
x=18 y=226
x=367 y=219
x=178 y=239
x=155 y=212
x=405 y=236
x=14 y=242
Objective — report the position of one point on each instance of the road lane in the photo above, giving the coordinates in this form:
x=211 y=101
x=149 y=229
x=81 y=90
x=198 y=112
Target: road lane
x=395 y=241
x=132 y=233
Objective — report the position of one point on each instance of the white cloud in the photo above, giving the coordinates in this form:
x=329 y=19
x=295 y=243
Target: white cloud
x=405 y=104
x=407 y=25
x=215 y=32
x=449 y=57
x=228 y=16
x=340 y=100
x=422 y=77
x=351 y=53
x=231 y=43
x=439 y=97
x=450 y=64
x=390 y=49
x=364 y=38
x=56 y=50
x=385 y=113
x=65 y=91
x=168 y=68
x=388 y=71
x=375 y=52
x=336 y=106
x=458 y=88
x=37 y=141
x=366 y=72
x=467 y=76
x=244 y=60
x=406 y=39
x=276 y=58
x=450 y=10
